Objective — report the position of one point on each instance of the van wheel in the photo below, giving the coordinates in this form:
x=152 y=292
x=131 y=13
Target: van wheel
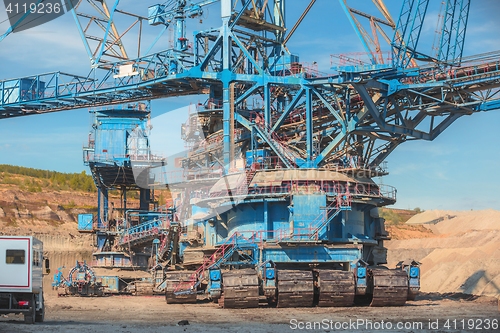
x=40 y=314
x=29 y=318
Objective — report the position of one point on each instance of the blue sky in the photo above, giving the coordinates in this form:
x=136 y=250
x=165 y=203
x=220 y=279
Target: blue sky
x=458 y=170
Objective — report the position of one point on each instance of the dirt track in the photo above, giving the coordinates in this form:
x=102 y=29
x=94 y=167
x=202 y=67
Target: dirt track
x=152 y=314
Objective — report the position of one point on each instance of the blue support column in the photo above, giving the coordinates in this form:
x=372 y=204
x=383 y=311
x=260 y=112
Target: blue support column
x=105 y=205
x=99 y=222
x=226 y=46
x=179 y=38
x=102 y=206
x=124 y=191
x=226 y=110
x=343 y=219
x=180 y=41
x=268 y=225
x=309 y=126
x=279 y=18
x=267 y=104
x=358 y=31
x=144 y=199
x=226 y=107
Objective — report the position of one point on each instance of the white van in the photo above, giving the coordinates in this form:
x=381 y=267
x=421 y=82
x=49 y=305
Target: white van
x=21 y=262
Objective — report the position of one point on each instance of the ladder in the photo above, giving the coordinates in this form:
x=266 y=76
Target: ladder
x=342 y=202
x=220 y=255
x=274 y=142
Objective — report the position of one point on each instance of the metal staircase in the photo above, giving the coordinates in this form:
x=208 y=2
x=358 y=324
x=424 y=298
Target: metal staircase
x=274 y=142
x=142 y=232
x=341 y=203
x=166 y=247
x=220 y=255
x=249 y=175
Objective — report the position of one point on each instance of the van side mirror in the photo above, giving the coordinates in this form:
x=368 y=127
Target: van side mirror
x=47 y=266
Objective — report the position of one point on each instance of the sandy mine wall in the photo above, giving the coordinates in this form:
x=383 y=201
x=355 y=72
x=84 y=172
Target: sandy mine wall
x=52 y=218
x=65 y=250
x=463 y=256
x=62 y=249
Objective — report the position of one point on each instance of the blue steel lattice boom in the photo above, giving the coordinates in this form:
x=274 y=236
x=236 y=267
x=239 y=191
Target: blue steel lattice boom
x=283 y=204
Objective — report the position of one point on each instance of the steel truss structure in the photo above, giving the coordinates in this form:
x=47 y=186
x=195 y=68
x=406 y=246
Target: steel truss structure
x=246 y=59
x=302 y=146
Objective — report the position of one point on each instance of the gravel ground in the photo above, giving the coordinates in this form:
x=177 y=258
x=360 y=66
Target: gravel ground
x=429 y=313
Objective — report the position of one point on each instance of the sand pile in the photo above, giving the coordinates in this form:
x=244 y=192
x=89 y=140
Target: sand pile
x=464 y=255
x=450 y=222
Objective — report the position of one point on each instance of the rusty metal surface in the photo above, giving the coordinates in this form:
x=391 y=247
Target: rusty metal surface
x=412 y=294
x=173 y=280
x=241 y=289
x=266 y=177
x=390 y=287
x=295 y=288
x=336 y=288
x=143 y=288
x=233 y=181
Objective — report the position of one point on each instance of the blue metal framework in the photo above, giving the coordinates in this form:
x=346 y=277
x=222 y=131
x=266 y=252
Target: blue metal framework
x=366 y=105
x=408 y=31
x=318 y=138
x=371 y=43
x=452 y=39
x=110 y=47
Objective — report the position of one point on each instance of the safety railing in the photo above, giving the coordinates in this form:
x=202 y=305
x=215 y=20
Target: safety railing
x=214 y=140
x=360 y=58
x=110 y=260
x=266 y=163
x=308 y=70
x=163 y=244
x=135 y=156
x=468 y=72
x=322 y=217
x=327 y=187
x=257 y=119
x=106 y=79
x=145 y=229
x=213 y=104
x=262 y=237
x=186 y=175
x=190 y=284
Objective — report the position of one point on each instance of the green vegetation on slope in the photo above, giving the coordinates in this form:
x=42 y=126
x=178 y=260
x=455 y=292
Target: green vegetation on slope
x=37 y=179
x=398 y=216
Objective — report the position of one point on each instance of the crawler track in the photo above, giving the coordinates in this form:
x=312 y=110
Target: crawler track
x=295 y=288
x=175 y=285
x=241 y=289
x=390 y=287
x=336 y=288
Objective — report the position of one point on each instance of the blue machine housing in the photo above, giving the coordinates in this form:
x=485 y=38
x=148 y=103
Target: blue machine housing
x=117 y=152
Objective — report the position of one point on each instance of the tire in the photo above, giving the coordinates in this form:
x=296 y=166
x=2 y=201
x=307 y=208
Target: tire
x=40 y=314
x=29 y=317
